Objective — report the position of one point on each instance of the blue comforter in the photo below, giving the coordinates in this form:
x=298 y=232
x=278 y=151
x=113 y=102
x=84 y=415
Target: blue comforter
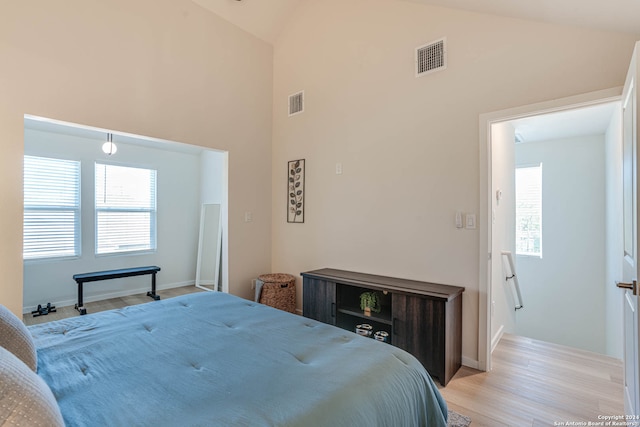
x=213 y=359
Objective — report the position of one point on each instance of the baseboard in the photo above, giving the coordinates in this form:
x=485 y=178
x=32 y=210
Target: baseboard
x=100 y=297
x=470 y=363
x=497 y=337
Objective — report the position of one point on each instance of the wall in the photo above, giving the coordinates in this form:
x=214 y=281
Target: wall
x=408 y=146
x=614 y=230
x=178 y=205
x=563 y=292
x=503 y=318
x=162 y=68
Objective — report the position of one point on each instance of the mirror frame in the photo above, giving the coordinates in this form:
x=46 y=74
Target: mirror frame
x=218 y=245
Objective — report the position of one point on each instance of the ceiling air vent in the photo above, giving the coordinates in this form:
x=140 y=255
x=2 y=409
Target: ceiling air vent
x=296 y=103
x=431 y=57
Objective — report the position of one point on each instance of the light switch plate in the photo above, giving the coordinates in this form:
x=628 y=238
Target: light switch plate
x=471 y=221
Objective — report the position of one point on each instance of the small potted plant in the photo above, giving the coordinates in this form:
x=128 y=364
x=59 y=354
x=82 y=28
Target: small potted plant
x=369 y=302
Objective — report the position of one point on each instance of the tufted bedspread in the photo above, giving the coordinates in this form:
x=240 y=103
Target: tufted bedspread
x=213 y=359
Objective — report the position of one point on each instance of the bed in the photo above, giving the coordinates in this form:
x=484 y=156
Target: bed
x=208 y=359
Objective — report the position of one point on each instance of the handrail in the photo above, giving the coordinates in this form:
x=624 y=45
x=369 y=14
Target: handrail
x=511 y=275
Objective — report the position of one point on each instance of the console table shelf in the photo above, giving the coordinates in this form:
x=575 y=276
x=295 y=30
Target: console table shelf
x=422 y=318
x=352 y=311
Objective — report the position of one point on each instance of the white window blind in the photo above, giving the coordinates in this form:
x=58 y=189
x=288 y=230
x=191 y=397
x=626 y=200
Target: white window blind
x=51 y=208
x=125 y=209
x=529 y=210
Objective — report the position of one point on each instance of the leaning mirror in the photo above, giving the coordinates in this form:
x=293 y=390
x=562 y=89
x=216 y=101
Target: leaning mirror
x=209 y=248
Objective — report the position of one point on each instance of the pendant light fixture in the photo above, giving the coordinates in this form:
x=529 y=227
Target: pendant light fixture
x=109 y=147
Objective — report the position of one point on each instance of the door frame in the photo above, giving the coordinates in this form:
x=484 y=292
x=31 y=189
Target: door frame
x=485 y=217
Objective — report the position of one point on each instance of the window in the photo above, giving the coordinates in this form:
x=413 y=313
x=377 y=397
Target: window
x=51 y=208
x=125 y=209
x=529 y=210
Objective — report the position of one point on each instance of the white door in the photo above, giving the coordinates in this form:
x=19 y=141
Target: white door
x=630 y=226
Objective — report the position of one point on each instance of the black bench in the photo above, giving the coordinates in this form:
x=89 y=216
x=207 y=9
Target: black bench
x=115 y=274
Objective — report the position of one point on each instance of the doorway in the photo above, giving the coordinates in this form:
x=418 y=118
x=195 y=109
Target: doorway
x=498 y=162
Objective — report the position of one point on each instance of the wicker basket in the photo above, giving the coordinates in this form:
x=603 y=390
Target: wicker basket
x=279 y=291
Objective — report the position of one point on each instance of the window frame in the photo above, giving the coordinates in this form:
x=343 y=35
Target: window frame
x=519 y=252
x=77 y=209
x=153 y=211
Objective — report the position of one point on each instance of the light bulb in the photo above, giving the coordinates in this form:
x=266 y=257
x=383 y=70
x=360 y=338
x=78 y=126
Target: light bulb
x=109 y=148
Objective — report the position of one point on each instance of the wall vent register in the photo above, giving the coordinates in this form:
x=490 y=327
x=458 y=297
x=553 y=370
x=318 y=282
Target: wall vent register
x=296 y=103
x=431 y=57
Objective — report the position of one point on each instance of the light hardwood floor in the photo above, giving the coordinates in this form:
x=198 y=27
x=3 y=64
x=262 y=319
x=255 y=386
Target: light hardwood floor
x=532 y=383
x=108 y=304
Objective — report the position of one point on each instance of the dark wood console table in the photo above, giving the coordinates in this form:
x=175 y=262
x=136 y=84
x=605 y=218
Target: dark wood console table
x=425 y=319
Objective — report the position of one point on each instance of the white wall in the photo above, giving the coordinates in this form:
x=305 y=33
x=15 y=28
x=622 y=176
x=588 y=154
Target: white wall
x=503 y=319
x=163 y=68
x=408 y=146
x=614 y=230
x=178 y=214
x=564 y=292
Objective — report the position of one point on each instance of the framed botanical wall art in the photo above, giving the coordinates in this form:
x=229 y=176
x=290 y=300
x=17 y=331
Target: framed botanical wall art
x=295 y=191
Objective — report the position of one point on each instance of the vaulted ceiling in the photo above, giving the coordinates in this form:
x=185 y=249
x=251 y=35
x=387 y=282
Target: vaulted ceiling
x=266 y=18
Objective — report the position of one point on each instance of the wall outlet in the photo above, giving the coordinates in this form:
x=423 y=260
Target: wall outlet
x=248 y=216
